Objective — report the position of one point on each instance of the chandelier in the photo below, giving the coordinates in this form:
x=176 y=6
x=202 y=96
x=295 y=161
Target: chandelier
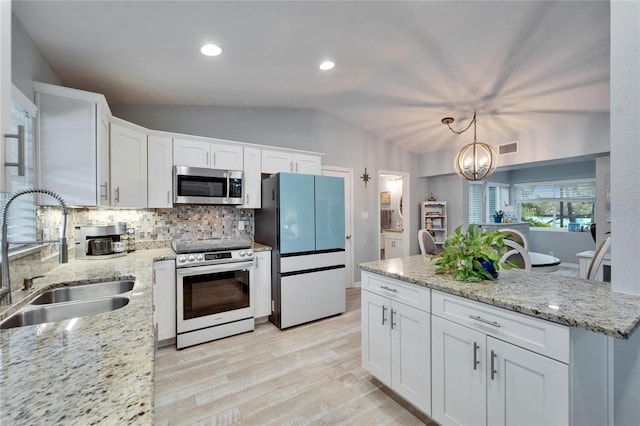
x=475 y=161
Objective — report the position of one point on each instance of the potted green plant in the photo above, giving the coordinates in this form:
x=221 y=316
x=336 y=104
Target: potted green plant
x=472 y=256
x=497 y=216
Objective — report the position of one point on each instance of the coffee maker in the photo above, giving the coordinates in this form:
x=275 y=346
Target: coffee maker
x=100 y=241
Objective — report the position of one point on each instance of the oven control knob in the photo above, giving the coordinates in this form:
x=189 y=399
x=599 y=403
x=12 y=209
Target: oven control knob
x=249 y=252
x=191 y=258
x=200 y=257
x=181 y=259
x=241 y=253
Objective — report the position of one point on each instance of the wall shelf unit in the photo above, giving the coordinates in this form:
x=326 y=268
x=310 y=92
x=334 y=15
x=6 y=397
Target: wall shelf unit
x=433 y=218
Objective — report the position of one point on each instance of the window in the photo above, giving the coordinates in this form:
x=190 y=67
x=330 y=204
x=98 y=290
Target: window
x=475 y=203
x=482 y=205
x=557 y=204
x=22 y=214
x=497 y=198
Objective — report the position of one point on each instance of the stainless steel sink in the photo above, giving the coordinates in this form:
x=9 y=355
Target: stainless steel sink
x=38 y=314
x=84 y=291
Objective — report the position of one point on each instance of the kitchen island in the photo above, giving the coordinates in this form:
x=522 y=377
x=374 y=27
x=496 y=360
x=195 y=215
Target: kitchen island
x=527 y=348
x=90 y=370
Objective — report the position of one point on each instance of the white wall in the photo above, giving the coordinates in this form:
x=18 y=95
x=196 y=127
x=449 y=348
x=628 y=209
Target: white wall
x=343 y=144
x=27 y=63
x=625 y=196
x=573 y=138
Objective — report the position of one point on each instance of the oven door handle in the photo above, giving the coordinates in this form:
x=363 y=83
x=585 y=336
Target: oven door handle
x=212 y=269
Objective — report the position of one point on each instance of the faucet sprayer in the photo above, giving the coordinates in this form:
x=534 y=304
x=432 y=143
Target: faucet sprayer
x=5 y=285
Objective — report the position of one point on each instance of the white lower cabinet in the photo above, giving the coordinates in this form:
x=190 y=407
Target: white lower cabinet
x=396 y=341
x=164 y=299
x=262 y=284
x=481 y=379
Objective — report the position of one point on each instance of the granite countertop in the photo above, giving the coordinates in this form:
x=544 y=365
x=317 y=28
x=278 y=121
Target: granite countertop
x=574 y=302
x=90 y=370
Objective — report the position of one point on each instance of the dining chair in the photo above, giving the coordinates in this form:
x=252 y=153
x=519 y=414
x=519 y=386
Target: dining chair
x=596 y=262
x=517 y=254
x=516 y=236
x=427 y=243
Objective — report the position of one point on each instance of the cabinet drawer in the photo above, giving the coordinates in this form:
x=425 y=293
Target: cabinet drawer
x=543 y=337
x=409 y=294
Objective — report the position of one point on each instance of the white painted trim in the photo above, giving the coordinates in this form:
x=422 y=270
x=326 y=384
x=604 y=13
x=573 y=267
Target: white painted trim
x=351 y=259
x=22 y=100
x=407 y=207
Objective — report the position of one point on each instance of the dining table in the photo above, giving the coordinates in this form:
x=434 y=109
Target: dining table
x=541 y=262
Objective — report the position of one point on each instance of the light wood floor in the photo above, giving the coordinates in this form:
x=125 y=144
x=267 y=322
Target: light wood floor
x=309 y=374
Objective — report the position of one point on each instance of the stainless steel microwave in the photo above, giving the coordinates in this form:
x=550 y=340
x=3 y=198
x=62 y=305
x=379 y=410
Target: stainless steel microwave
x=197 y=185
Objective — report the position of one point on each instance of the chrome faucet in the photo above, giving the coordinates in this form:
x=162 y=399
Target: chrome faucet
x=5 y=284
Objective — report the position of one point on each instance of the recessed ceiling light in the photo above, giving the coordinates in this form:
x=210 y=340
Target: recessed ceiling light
x=211 y=50
x=326 y=65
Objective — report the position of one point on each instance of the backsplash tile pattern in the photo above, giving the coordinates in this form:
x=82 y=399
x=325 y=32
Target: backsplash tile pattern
x=185 y=221
x=154 y=228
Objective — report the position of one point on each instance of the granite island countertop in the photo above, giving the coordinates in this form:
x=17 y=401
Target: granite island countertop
x=589 y=305
x=89 y=370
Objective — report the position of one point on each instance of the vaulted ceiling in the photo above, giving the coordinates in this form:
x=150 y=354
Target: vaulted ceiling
x=400 y=65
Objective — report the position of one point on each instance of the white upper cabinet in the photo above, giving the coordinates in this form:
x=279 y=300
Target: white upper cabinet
x=292 y=162
x=128 y=167
x=73 y=144
x=191 y=153
x=215 y=155
x=226 y=156
x=252 y=178
x=159 y=171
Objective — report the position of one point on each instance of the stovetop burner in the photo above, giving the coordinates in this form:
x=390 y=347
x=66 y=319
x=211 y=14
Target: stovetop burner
x=208 y=246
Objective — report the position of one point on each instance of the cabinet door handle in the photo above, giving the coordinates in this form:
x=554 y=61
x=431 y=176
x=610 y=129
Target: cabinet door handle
x=393 y=322
x=476 y=346
x=478 y=318
x=384 y=287
x=493 y=365
x=247 y=200
x=20 y=137
x=290 y=166
x=104 y=195
x=117 y=194
x=384 y=309
x=213 y=156
x=296 y=167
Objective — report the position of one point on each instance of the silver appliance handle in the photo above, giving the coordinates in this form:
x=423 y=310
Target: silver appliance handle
x=228 y=182
x=20 y=163
x=213 y=269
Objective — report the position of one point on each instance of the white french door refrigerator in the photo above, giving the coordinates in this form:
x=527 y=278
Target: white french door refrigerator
x=302 y=219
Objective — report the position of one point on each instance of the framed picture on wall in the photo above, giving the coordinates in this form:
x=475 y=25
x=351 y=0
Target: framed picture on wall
x=385 y=197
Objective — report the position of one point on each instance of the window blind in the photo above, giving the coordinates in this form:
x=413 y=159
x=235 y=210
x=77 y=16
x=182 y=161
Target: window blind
x=475 y=203
x=583 y=190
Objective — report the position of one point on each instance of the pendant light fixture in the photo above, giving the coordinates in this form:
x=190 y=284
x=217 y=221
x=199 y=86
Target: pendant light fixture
x=475 y=161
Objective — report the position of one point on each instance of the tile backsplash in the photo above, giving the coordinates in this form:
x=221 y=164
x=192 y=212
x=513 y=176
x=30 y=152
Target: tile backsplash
x=156 y=225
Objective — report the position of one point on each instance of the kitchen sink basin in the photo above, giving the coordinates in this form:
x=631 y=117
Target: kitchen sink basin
x=84 y=291
x=38 y=314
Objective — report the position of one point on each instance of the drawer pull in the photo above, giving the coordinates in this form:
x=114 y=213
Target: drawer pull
x=384 y=287
x=478 y=318
x=476 y=346
x=384 y=309
x=493 y=366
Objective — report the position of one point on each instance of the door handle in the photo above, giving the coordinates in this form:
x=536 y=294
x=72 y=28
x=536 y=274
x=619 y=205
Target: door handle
x=348 y=237
x=106 y=191
x=20 y=137
x=476 y=346
x=493 y=366
x=479 y=318
x=117 y=194
x=392 y=318
x=384 y=287
x=384 y=309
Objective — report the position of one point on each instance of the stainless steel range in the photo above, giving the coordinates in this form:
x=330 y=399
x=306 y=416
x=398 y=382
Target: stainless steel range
x=214 y=289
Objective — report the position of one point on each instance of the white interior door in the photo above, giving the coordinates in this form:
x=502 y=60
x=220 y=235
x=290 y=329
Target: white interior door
x=347 y=174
